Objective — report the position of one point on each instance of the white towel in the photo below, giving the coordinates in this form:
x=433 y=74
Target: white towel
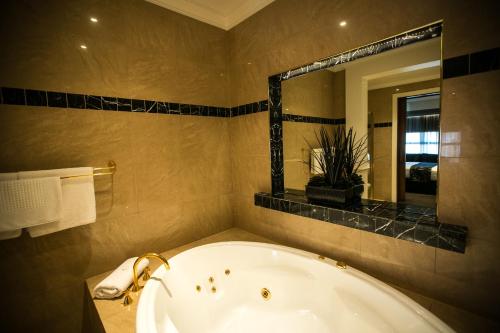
x=119 y=280
x=78 y=199
x=13 y=233
x=10 y=234
x=29 y=202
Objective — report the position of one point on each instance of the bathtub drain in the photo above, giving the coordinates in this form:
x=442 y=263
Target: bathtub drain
x=265 y=293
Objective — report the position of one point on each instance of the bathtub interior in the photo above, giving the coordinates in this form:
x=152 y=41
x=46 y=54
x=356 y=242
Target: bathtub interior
x=308 y=294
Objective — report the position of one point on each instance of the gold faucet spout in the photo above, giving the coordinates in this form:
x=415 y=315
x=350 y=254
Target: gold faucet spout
x=149 y=255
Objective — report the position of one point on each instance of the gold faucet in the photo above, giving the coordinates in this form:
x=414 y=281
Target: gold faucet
x=147 y=255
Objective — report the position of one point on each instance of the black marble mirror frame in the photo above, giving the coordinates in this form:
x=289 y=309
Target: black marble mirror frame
x=430 y=31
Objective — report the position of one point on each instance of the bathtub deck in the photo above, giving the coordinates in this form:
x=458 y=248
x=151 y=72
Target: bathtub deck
x=111 y=316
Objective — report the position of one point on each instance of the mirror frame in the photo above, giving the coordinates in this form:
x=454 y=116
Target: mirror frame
x=429 y=31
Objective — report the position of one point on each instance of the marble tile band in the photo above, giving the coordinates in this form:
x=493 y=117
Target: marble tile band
x=473 y=63
x=30 y=97
x=314 y=120
x=410 y=223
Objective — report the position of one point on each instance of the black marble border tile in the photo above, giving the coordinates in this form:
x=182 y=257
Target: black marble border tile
x=407 y=38
x=124 y=104
x=57 y=99
x=151 y=107
x=380 y=125
x=138 y=105
x=405 y=222
x=18 y=96
x=76 y=101
x=249 y=108
x=36 y=97
x=484 y=61
x=31 y=97
x=276 y=136
x=109 y=103
x=473 y=63
x=93 y=102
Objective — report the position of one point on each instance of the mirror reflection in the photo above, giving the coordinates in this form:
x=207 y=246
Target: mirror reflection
x=393 y=99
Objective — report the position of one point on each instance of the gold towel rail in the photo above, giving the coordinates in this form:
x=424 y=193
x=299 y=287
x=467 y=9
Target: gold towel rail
x=103 y=171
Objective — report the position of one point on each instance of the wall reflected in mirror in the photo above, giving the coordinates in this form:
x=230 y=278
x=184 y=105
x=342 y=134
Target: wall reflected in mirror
x=393 y=99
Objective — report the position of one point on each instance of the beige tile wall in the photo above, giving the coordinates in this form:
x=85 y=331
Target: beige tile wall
x=289 y=33
x=172 y=185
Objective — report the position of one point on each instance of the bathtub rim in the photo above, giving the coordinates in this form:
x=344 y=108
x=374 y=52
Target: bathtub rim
x=145 y=312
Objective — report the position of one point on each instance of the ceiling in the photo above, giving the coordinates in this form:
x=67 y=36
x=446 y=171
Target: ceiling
x=223 y=14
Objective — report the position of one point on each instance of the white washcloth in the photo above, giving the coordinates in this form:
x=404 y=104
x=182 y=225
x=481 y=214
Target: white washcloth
x=78 y=199
x=119 y=280
x=29 y=202
x=13 y=233
x=10 y=234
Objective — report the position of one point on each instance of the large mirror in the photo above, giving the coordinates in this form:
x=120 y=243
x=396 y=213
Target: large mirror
x=392 y=98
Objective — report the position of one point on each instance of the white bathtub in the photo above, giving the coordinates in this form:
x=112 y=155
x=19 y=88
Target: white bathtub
x=307 y=293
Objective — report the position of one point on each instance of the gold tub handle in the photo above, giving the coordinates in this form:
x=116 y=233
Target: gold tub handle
x=150 y=255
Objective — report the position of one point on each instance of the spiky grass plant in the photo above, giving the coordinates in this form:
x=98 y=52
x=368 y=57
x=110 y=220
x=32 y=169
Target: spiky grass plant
x=341 y=156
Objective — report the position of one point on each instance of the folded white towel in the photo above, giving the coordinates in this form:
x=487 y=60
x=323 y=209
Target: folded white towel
x=10 y=234
x=29 y=202
x=78 y=199
x=13 y=233
x=119 y=280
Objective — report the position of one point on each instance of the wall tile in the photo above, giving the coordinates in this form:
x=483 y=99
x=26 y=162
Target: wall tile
x=465 y=190
x=141 y=209
x=467 y=133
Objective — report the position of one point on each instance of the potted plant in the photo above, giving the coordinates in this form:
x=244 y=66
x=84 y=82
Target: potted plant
x=339 y=159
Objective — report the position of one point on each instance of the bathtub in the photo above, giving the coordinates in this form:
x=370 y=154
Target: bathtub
x=247 y=287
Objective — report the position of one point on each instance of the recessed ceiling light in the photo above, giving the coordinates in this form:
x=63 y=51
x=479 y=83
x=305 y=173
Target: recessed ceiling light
x=397 y=89
x=343 y=23
x=93 y=19
x=249 y=63
x=83 y=46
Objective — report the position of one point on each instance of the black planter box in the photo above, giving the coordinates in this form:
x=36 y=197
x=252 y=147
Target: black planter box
x=329 y=195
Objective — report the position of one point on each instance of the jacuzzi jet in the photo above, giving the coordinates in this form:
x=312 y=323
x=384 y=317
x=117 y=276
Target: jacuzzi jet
x=227 y=272
x=211 y=279
x=198 y=288
x=265 y=293
x=214 y=290
x=341 y=265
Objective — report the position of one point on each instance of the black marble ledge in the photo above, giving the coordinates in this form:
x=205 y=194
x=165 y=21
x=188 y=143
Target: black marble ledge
x=402 y=221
